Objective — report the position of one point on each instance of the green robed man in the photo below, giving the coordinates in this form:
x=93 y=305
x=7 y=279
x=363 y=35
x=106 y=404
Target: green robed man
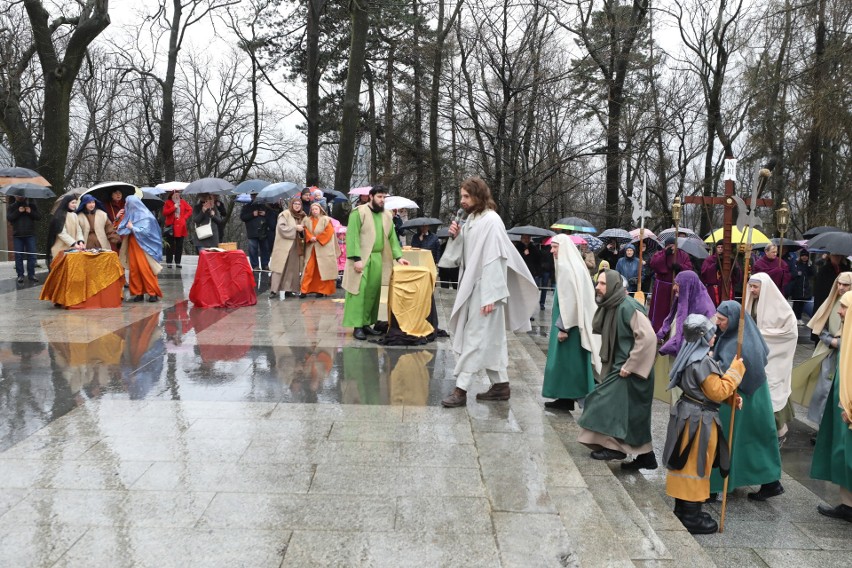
x=371 y=248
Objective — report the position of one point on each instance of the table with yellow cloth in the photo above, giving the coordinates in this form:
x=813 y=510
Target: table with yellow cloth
x=410 y=299
x=81 y=280
x=416 y=257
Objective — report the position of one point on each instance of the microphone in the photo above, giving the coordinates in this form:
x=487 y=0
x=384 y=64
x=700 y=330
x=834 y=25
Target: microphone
x=460 y=217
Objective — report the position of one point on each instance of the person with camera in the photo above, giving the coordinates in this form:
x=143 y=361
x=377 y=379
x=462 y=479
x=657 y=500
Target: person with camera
x=22 y=214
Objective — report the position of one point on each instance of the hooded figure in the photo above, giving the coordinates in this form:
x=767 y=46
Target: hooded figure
x=321 y=253
x=574 y=348
x=777 y=324
x=98 y=230
x=141 y=249
x=832 y=459
x=64 y=230
x=694 y=442
x=616 y=420
x=628 y=267
x=691 y=297
x=756 y=459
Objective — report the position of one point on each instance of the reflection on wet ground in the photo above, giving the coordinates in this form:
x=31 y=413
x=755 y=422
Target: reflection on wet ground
x=174 y=355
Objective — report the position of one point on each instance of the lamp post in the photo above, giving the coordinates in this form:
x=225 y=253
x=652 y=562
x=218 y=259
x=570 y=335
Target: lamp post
x=782 y=219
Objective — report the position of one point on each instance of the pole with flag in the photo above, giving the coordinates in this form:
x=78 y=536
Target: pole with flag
x=745 y=217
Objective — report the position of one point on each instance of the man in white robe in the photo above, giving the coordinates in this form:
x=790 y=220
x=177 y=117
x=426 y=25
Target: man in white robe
x=777 y=324
x=496 y=292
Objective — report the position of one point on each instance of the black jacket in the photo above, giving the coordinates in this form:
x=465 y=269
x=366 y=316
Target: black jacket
x=800 y=286
x=256 y=226
x=531 y=255
x=23 y=224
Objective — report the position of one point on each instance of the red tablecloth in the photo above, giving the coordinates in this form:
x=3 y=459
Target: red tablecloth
x=223 y=280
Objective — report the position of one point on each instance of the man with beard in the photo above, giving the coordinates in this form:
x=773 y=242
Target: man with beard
x=496 y=292
x=616 y=420
x=371 y=248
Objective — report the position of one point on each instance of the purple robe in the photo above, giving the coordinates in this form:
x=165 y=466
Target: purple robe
x=661 y=263
x=778 y=272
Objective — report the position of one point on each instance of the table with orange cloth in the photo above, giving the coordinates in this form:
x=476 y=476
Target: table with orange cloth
x=223 y=280
x=84 y=280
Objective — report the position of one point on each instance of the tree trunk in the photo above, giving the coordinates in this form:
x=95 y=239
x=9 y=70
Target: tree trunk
x=419 y=151
x=165 y=165
x=349 y=119
x=815 y=142
x=312 y=81
x=387 y=162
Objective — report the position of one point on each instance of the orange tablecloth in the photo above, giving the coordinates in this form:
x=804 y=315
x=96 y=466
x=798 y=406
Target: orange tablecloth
x=84 y=280
x=223 y=280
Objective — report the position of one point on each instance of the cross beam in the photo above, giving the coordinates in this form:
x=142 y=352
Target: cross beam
x=728 y=222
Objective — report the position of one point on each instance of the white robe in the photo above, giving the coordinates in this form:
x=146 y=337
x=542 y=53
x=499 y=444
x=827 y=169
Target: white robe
x=492 y=272
x=777 y=324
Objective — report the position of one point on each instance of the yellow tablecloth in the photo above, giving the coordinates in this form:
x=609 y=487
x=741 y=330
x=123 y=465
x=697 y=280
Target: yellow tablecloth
x=417 y=257
x=75 y=277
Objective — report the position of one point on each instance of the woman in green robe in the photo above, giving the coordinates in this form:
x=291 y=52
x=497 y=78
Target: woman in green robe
x=755 y=456
x=573 y=347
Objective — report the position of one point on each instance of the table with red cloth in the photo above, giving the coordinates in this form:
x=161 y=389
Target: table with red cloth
x=85 y=280
x=223 y=280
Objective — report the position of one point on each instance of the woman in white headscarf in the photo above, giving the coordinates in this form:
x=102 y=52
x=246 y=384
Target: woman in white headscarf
x=574 y=350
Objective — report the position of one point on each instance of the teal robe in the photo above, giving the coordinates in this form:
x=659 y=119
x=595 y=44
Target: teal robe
x=755 y=457
x=633 y=393
x=568 y=370
x=832 y=459
x=363 y=308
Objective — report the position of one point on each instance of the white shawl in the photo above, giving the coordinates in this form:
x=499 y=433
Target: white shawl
x=777 y=324
x=576 y=296
x=484 y=241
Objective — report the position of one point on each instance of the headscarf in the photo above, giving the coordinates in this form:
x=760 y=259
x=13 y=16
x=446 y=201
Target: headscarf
x=755 y=352
x=297 y=215
x=85 y=200
x=826 y=311
x=692 y=298
x=576 y=295
x=843 y=365
x=697 y=332
x=773 y=312
x=604 y=322
x=604 y=265
x=146 y=229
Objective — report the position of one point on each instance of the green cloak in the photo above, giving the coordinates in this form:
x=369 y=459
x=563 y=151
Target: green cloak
x=632 y=393
x=832 y=459
x=363 y=308
x=755 y=457
x=568 y=370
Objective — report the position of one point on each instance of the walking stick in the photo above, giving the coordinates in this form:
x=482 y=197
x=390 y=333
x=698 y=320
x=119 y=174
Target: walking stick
x=640 y=212
x=742 y=219
x=676 y=208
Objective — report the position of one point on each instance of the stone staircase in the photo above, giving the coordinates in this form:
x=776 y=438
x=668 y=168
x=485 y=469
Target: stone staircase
x=612 y=518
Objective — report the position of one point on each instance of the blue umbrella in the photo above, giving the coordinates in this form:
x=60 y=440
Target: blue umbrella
x=283 y=190
x=251 y=186
x=334 y=194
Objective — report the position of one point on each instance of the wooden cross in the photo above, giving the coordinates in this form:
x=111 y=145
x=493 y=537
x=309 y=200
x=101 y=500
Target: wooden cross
x=728 y=222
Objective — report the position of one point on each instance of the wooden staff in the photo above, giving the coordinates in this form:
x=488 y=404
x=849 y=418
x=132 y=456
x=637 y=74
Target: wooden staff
x=763 y=177
x=639 y=296
x=676 y=208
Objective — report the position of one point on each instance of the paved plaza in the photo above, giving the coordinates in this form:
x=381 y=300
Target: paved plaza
x=168 y=435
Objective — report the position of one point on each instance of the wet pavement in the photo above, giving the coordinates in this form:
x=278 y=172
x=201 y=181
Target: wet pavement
x=169 y=435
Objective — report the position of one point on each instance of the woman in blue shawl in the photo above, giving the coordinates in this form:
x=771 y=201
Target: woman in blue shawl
x=141 y=249
x=755 y=456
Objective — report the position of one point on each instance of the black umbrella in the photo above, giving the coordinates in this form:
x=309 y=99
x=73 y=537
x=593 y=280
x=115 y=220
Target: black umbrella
x=819 y=230
x=151 y=200
x=251 y=186
x=17 y=175
x=103 y=191
x=789 y=244
x=420 y=222
x=27 y=189
x=835 y=242
x=273 y=192
x=618 y=235
x=334 y=194
x=213 y=186
x=443 y=233
x=531 y=231
x=692 y=247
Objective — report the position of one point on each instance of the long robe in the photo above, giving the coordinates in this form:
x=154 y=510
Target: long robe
x=492 y=272
x=98 y=230
x=661 y=299
x=320 y=274
x=287 y=255
x=568 y=370
x=363 y=291
x=617 y=414
x=755 y=457
x=832 y=459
